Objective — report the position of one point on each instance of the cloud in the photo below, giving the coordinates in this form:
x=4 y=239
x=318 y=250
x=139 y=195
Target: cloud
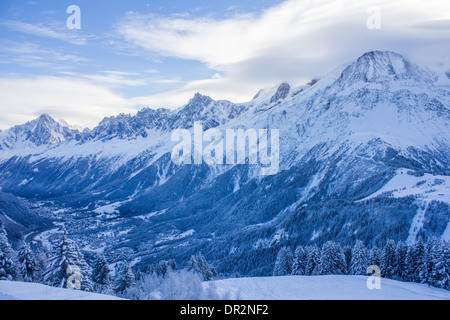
x=76 y=100
x=30 y=54
x=55 y=31
x=116 y=79
x=294 y=41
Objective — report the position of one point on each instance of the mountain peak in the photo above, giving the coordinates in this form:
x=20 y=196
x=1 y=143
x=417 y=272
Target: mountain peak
x=281 y=93
x=376 y=66
x=200 y=99
x=45 y=119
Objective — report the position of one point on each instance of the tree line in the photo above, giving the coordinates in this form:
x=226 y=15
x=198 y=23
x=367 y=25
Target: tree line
x=422 y=262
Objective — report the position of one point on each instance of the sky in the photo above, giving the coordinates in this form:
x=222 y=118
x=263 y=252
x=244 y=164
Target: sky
x=111 y=57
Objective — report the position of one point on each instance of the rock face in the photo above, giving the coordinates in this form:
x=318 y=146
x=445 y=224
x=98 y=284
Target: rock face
x=341 y=140
x=282 y=92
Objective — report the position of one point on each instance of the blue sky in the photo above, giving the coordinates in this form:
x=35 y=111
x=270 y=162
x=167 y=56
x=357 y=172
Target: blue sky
x=134 y=53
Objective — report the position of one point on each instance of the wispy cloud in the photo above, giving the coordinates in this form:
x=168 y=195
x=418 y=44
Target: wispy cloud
x=55 y=31
x=30 y=54
x=116 y=79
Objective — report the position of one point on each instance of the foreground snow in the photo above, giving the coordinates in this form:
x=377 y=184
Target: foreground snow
x=15 y=290
x=329 y=287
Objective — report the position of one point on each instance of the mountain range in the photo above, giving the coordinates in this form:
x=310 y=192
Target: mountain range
x=378 y=120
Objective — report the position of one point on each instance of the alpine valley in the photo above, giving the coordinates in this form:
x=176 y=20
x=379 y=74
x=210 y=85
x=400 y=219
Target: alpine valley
x=364 y=155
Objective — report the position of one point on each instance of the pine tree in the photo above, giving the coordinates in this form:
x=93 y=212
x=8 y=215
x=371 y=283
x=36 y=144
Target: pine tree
x=5 y=246
x=5 y=267
x=388 y=260
x=27 y=263
x=400 y=260
x=313 y=260
x=360 y=258
x=375 y=256
x=198 y=264
x=124 y=277
x=432 y=250
x=162 y=268
x=192 y=264
x=283 y=263
x=41 y=256
x=348 y=258
x=332 y=259
x=66 y=264
x=441 y=269
x=7 y=250
x=101 y=272
x=172 y=265
x=300 y=261
x=414 y=257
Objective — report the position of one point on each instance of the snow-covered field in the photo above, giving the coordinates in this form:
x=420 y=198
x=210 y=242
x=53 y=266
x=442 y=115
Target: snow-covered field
x=15 y=290
x=327 y=287
x=427 y=187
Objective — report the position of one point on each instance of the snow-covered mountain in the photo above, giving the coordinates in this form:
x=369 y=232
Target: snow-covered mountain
x=342 y=139
x=41 y=131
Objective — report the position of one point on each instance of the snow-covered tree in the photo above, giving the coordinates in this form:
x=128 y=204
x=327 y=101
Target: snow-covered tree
x=432 y=252
x=172 y=265
x=197 y=263
x=283 y=263
x=27 y=263
x=332 y=259
x=42 y=257
x=101 y=272
x=375 y=256
x=400 y=260
x=66 y=265
x=162 y=268
x=388 y=260
x=5 y=267
x=348 y=258
x=124 y=277
x=441 y=268
x=313 y=260
x=8 y=251
x=300 y=261
x=414 y=257
x=360 y=259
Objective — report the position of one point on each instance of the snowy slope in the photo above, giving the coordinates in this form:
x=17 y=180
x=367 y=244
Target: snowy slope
x=328 y=287
x=426 y=187
x=15 y=290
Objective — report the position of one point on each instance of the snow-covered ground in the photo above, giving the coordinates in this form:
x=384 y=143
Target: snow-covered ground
x=328 y=287
x=427 y=187
x=15 y=290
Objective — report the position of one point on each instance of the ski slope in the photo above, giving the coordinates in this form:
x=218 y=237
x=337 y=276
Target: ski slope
x=327 y=287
